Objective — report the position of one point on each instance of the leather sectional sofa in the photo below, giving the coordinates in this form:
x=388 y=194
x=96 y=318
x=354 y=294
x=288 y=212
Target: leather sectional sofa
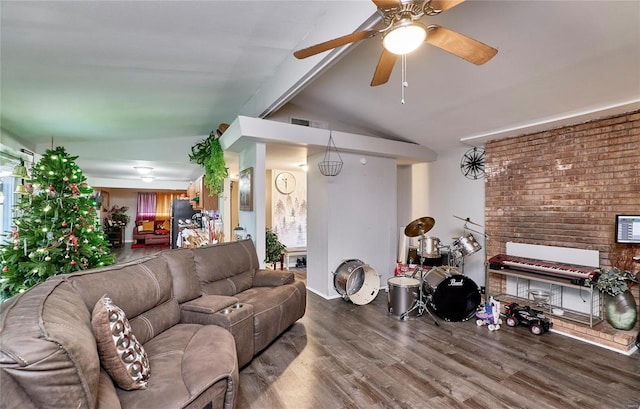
x=199 y=314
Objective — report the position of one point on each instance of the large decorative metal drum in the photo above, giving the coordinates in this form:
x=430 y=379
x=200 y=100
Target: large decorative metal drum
x=356 y=281
x=453 y=296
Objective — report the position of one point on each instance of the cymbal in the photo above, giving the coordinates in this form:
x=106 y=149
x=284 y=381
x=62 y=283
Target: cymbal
x=467 y=220
x=419 y=226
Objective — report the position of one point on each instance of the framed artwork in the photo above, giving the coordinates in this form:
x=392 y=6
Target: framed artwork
x=245 y=186
x=104 y=202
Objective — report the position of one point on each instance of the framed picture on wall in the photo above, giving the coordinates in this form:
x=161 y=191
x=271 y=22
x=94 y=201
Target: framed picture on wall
x=245 y=186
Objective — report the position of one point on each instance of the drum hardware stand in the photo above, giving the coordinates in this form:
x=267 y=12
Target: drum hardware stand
x=420 y=303
x=419 y=227
x=486 y=244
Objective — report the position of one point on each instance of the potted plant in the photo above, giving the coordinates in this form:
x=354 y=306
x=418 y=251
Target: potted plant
x=208 y=153
x=620 y=306
x=273 y=248
x=119 y=217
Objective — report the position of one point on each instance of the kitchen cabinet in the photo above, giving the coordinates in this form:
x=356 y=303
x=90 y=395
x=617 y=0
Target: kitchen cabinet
x=199 y=197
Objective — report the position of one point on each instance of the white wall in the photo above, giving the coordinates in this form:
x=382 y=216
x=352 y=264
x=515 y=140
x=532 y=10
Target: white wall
x=127 y=198
x=289 y=220
x=441 y=191
x=351 y=216
x=254 y=221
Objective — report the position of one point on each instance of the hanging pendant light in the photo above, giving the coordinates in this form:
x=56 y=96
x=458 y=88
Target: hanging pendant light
x=329 y=165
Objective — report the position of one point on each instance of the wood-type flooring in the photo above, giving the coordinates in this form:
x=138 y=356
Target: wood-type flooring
x=345 y=356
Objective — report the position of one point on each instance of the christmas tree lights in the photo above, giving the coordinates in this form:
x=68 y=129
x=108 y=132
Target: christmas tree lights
x=56 y=228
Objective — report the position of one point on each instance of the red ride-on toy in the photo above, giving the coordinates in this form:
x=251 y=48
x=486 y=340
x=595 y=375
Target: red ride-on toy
x=527 y=316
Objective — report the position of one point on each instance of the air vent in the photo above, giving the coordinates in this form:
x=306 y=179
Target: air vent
x=309 y=123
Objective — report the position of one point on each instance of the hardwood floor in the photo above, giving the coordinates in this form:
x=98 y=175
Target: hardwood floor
x=126 y=253
x=345 y=356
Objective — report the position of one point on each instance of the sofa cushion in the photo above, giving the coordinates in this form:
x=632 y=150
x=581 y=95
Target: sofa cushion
x=149 y=304
x=275 y=309
x=272 y=278
x=187 y=361
x=226 y=268
x=121 y=355
x=182 y=267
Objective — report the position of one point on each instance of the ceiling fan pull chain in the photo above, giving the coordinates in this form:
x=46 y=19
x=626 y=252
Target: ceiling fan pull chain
x=405 y=84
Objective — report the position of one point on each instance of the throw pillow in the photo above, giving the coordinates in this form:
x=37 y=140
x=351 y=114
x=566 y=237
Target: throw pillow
x=147 y=226
x=121 y=355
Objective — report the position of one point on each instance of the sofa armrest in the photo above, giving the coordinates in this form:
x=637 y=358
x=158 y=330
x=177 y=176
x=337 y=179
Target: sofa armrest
x=272 y=278
x=225 y=312
x=207 y=304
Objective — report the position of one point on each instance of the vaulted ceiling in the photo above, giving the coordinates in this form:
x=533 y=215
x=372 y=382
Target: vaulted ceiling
x=137 y=83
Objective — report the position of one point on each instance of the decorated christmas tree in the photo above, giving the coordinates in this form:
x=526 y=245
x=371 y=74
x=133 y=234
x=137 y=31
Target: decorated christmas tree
x=55 y=227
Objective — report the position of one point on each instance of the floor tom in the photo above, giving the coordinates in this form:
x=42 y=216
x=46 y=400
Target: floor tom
x=404 y=292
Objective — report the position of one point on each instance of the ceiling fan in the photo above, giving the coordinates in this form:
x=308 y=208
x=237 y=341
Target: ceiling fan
x=402 y=33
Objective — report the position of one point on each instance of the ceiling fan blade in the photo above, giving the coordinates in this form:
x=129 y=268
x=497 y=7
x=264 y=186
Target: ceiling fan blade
x=384 y=68
x=336 y=42
x=387 y=4
x=443 y=5
x=460 y=45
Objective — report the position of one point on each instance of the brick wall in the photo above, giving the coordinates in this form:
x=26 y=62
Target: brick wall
x=563 y=187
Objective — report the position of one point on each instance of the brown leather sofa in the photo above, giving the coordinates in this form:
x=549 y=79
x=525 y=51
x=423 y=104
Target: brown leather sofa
x=200 y=314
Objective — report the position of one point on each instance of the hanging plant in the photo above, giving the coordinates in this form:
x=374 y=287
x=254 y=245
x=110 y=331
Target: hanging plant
x=208 y=153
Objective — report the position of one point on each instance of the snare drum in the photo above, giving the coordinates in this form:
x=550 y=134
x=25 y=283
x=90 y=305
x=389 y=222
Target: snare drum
x=403 y=294
x=429 y=247
x=466 y=245
x=453 y=297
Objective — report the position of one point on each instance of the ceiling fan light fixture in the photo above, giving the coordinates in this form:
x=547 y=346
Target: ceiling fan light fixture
x=404 y=37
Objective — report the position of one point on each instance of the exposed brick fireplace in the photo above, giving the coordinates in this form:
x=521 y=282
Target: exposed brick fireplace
x=563 y=187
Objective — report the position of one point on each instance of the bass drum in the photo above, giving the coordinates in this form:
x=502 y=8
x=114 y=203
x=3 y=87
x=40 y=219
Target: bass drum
x=356 y=281
x=454 y=297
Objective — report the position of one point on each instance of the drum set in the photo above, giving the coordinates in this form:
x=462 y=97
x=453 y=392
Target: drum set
x=451 y=295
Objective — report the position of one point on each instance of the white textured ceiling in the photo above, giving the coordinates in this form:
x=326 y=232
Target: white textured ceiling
x=138 y=82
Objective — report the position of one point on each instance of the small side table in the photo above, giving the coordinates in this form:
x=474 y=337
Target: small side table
x=115 y=236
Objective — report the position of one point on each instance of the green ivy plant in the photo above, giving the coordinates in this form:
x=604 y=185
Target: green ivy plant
x=208 y=153
x=273 y=247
